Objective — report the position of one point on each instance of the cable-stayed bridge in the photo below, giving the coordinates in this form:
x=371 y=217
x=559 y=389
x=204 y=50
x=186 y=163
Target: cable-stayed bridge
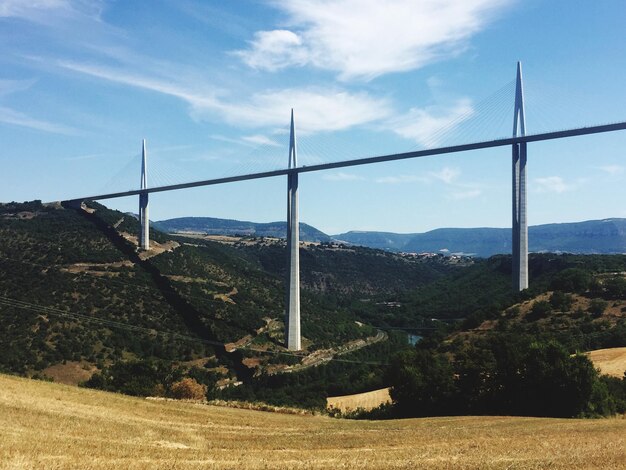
x=518 y=143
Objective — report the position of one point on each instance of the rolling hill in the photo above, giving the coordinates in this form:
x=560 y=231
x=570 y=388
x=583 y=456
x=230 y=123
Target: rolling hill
x=77 y=298
x=213 y=226
x=605 y=236
x=46 y=425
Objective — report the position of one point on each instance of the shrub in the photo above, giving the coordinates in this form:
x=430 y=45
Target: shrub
x=561 y=301
x=598 y=306
x=540 y=309
x=188 y=389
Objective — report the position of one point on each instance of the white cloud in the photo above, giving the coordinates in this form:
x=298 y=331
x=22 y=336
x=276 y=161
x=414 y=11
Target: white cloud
x=195 y=97
x=16 y=118
x=612 y=169
x=342 y=177
x=401 y=179
x=260 y=140
x=11 y=86
x=472 y=193
x=200 y=158
x=367 y=38
x=552 y=184
x=446 y=174
x=429 y=126
x=316 y=109
x=28 y=9
x=230 y=140
x=52 y=13
x=274 y=50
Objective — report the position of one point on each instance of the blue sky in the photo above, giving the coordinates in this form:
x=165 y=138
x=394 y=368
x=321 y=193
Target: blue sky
x=210 y=85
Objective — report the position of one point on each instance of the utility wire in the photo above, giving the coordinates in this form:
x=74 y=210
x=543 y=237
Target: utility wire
x=190 y=296
x=9 y=302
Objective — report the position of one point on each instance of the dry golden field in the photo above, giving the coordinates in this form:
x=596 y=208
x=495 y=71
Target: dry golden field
x=366 y=401
x=52 y=426
x=610 y=361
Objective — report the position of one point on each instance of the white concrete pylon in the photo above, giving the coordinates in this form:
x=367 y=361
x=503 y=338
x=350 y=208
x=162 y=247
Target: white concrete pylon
x=520 y=219
x=292 y=314
x=144 y=219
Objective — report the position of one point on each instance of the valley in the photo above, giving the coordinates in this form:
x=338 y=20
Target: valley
x=82 y=306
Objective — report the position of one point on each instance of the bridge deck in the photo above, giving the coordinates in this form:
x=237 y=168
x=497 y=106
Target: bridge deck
x=369 y=160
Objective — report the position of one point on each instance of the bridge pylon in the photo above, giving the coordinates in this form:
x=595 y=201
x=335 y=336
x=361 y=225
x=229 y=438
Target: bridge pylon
x=144 y=219
x=520 y=209
x=292 y=304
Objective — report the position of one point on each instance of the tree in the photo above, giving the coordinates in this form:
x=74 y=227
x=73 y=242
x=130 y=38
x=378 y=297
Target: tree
x=540 y=309
x=561 y=301
x=422 y=383
x=597 y=306
x=188 y=389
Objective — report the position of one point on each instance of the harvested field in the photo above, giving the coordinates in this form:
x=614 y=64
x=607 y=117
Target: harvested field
x=46 y=425
x=70 y=373
x=610 y=361
x=366 y=401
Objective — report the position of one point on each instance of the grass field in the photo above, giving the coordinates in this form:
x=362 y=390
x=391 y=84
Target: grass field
x=51 y=426
x=366 y=401
x=610 y=361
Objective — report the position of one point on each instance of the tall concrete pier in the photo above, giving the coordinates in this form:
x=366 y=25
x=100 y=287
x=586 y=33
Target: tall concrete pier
x=292 y=314
x=520 y=221
x=144 y=219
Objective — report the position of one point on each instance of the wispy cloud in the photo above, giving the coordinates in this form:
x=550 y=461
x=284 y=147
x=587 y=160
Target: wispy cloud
x=56 y=14
x=12 y=86
x=430 y=125
x=274 y=50
x=446 y=174
x=612 y=169
x=230 y=140
x=342 y=177
x=197 y=98
x=367 y=38
x=552 y=184
x=32 y=10
x=200 y=158
x=16 y=118
x=260 y=140
x=399 y=179
x=471 y=194
x=316 y=109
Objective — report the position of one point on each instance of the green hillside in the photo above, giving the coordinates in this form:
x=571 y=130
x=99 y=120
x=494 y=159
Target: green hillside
x=80 y=303
x=211 y=225
x=73 y=289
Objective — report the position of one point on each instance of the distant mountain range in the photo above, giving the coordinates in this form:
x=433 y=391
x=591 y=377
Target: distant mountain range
x=592 y=236
x=213 y=226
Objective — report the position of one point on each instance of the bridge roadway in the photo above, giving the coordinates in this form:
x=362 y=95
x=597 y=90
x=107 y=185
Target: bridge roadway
x=369 y=160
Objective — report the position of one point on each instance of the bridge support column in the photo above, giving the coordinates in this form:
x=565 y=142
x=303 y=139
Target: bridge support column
x=520 y=221
x=292 y=314
x=144 y=219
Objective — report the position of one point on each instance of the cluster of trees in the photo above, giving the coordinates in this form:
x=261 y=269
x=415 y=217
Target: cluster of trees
x=146 y=294
x=357 y=372
x=503 y=374
x=173 y=294
x=358 y=271
x=154 y=378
